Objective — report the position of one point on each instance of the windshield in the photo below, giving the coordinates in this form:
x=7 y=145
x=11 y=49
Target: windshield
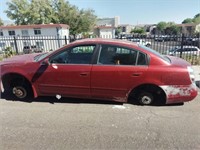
x=155 y=53
x=41 y=56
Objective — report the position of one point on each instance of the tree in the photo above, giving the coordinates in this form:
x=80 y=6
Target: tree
x=161 y=26
x=118 y=31
x=196 y=19
x=19 y=11
x=172 y=30
x=79 y=20
x=138 y=30
x=51 y=11
x=1 y=22
x=41 y=12
x=188 y=20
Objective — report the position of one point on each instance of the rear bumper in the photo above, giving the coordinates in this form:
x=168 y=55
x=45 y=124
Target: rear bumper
x=179 y=93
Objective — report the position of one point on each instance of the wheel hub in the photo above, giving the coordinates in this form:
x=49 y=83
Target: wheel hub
x=19 y=92
x=146 y=100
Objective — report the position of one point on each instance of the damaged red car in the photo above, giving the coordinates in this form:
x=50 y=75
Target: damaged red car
x=113 y=70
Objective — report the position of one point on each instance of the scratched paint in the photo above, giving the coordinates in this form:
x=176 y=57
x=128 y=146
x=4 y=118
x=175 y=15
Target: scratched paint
x=175 y=90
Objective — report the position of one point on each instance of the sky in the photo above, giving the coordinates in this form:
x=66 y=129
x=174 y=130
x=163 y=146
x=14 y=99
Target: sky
x=135 y=11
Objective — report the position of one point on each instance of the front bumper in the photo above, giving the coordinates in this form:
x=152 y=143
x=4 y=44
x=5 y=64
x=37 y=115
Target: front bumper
x=179 y=93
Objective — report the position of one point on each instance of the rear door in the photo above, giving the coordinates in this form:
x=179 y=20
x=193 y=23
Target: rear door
x=118 y=70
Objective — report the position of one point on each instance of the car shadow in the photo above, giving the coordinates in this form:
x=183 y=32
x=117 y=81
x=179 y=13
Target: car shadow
x=54 y=100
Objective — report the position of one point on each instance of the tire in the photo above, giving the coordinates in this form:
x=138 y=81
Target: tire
x=145 y=98
x=21 y=90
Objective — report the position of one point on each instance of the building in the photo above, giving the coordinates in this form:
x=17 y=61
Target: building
x=107 y=32
x=189 y=28
x=108 y=21
x=46 y=36
x=126 y=28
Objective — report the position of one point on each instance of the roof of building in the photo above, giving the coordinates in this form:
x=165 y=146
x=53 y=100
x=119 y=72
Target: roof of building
x=35 y=26
x=187 y=24
x=105 y=27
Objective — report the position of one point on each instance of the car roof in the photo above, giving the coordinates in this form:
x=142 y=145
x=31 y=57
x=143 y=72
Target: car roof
x=105 y=41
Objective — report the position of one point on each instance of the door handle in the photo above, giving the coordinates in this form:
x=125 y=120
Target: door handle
x=83 y=74
x=136 y=74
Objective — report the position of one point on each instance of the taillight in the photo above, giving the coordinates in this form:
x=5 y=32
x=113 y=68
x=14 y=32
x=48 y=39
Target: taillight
x=191 y=74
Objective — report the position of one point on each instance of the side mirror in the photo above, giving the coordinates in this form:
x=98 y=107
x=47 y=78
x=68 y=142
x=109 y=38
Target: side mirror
x=45 y=62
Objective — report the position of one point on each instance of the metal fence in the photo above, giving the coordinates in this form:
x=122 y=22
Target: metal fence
x=45 y=43
x=183 y=46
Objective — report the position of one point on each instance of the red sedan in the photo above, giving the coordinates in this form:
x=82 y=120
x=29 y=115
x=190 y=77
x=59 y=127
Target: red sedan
x=100 y=69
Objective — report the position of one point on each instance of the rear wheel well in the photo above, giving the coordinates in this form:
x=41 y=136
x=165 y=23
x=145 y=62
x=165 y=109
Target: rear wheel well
x=12 y=79
x=157 y=92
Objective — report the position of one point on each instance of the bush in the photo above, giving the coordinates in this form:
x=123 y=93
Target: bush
x=8 y=52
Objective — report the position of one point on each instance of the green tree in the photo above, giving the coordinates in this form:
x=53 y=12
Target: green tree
x=46 y=11
x=1 y=22
x=138 y=30
x=79 y=20
x=173 y=30
x=196 y=19
x=161 y=26
x=19 y=11
x=187 y=20
x=41 y=12
x=118 y=31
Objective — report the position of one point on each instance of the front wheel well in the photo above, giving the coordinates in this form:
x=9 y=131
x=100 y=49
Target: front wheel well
x=12 y=79
x=156 y=91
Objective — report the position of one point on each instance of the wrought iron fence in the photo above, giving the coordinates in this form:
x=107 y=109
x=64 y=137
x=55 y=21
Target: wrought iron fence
x=186 y=47
x=183 y=46
x=42 y=43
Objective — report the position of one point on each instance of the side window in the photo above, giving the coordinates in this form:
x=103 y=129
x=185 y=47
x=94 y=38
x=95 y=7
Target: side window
x=75 y=55
x=114 y=55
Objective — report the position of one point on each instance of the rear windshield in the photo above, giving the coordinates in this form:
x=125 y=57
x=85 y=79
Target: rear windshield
x=156 y=53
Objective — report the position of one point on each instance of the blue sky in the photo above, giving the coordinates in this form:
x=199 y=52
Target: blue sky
x=136 y=11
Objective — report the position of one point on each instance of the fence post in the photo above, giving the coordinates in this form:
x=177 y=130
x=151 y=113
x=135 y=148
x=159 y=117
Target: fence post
x=198 y=40
x=16 y=48
x=182 y=41
x=65 y=39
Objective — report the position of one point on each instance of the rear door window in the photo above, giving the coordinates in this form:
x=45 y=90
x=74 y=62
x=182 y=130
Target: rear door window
x=116 y=55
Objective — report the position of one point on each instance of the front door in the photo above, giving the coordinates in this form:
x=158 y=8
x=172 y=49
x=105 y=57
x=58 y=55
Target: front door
x=68 y=73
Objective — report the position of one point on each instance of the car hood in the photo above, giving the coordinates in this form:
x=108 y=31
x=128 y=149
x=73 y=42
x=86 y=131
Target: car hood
x=178 y=61
x=20 y=59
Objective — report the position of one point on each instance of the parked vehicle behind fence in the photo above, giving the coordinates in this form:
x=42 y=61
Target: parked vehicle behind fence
x=32 y=49
x=186 y=50
x=114 y=70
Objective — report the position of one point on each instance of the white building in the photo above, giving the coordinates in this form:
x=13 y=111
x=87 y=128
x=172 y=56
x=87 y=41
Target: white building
x=47 y=36
x=108 y=21
x=107 y=32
